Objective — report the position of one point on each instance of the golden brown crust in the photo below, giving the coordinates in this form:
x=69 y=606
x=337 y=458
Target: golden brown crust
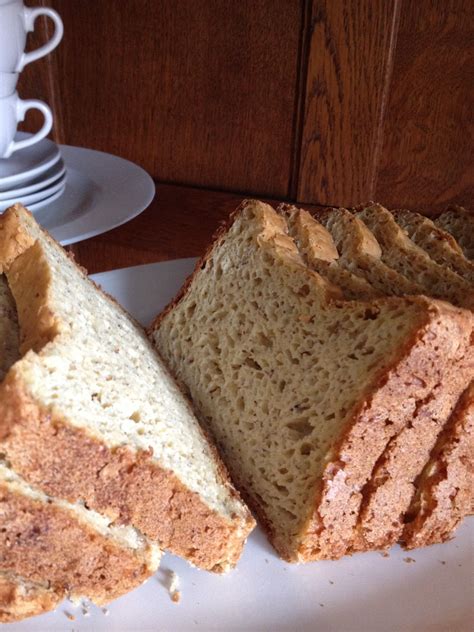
x=128 y=486
x=43 y=541
x=446 y=485
x=20 y=599
x=387 y=496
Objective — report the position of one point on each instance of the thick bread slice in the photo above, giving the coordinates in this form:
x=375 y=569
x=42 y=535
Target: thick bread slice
x=20 y=599
x=319 y=251
x=90 y=412
x=360 y=253
x=387 y=496
x=302 y=392
x=403 y=255
x=446 y=485
x=459 y=222
x=439 y=244
x=43 y=539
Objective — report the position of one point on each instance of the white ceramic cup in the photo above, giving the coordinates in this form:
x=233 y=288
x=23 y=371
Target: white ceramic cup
x=8 y=81
x=12 y=112
x=16 y=21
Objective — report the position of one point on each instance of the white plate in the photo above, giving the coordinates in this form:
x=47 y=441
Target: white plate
x=26 y=164
x=49 y=200
x=102 y=192
x=424 y=590
x=44 y=195
x=43 y=180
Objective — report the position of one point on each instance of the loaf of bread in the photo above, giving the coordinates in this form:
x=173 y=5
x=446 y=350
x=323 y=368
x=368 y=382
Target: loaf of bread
x=439 y=244
x=387 y=496
x=90 y=413
x=459 y=222
x=303 y=392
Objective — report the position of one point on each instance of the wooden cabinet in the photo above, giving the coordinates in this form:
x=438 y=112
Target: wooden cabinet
x=321 y=101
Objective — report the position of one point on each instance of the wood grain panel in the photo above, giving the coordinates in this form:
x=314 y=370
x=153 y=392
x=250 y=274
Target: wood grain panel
x=196 y=91
x=427 y=156
x=348 y=75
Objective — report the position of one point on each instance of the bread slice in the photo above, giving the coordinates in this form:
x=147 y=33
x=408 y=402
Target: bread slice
x=50 y=548
x=20 y=599
x=91 y=414
x=439 y=244
x=403 y=255
x=459 y=222
x=319 y=251
x=302 y=391
x=76 y=550
x=360 y=253
x=446 y=486
x=387 y=496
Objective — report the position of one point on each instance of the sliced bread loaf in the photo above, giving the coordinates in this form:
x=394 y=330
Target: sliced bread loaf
x=74 y=550
x=445 y=489
x=360 y=253
x=91 y=414
x=319 y=251
x=439 y=244
x=387 y=496
x=302 y=391
x=20 y=599
x=459 y=222
x=403 y=255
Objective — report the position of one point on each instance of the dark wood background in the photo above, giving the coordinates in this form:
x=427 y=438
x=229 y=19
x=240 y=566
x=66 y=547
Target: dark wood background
x=332 y=102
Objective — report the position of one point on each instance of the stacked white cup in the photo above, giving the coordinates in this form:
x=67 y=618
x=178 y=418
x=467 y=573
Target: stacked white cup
x=16 y=21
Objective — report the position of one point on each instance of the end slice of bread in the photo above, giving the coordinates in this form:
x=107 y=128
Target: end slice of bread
x=90 y=413
x=301 y=391
x=403 y=255
x=439 y=244
x=459 y=222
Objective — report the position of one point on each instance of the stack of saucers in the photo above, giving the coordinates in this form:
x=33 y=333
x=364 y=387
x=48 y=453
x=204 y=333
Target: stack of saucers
x=34 y=176
x=31 y=169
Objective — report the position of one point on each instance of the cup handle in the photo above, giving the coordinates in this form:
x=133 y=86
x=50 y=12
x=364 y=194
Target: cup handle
x=21 y=109
x=29 y=17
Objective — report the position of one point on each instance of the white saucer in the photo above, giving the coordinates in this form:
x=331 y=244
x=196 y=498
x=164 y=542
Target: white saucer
x=102 y=192
x=43 y=180
x=42 y=195
x=26 y=164
x=48 y=200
